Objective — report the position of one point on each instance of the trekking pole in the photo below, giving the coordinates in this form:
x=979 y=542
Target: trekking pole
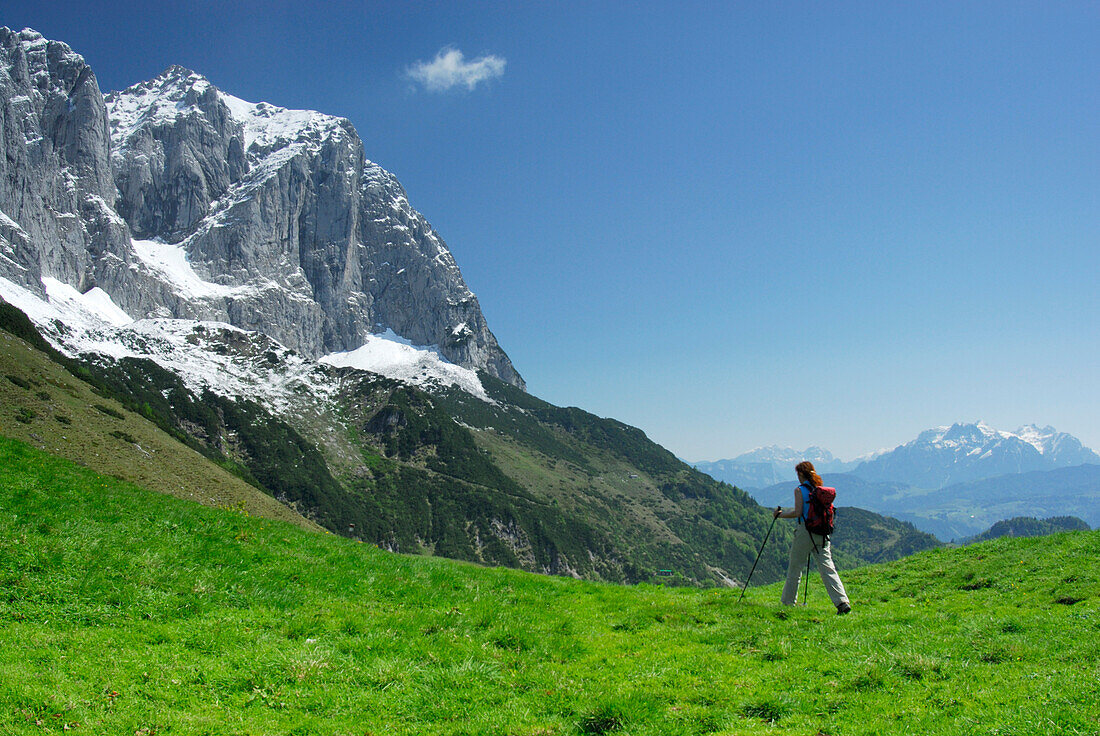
x=806 y=585
x=758 y=557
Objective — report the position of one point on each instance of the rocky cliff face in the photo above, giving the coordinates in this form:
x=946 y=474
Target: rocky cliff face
x=283 y=203
x=276 y=215
x=56 y=189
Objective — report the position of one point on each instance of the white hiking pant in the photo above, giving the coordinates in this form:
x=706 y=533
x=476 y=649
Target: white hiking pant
x=801 y=548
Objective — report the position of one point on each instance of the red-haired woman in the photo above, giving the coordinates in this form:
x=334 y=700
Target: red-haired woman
x=805 y=544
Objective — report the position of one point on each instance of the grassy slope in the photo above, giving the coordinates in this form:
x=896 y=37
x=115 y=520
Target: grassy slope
x=43 y=404
x=124 y=611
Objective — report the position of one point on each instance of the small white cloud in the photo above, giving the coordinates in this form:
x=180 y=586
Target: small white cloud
x=449 y=69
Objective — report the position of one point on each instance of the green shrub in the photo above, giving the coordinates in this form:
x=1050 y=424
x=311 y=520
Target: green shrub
x=108 y=411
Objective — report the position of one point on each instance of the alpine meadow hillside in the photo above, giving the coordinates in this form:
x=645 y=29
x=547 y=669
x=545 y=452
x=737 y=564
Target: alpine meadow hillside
x=131 y=612
x=513 y=481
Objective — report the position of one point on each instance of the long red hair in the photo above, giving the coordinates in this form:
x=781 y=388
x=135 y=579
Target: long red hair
x=805 y=469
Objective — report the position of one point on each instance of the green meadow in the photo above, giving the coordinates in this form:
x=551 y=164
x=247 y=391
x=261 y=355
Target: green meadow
x=124 y=611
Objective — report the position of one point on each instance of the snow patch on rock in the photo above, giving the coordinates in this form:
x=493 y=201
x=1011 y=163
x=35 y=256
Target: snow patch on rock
x=393 y=356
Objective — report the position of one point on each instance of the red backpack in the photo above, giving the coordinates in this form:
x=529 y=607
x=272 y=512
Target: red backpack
x=819 y=513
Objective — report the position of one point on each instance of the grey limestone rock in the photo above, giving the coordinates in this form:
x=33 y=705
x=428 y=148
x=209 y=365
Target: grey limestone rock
x=318 y=246
x=168 y=170
x=56 y=189
x=288 y=229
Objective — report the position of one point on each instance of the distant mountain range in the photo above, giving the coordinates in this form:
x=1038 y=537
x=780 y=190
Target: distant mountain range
x=952 y=481
x=937 y=458
x=766 y=466
x=962 y=453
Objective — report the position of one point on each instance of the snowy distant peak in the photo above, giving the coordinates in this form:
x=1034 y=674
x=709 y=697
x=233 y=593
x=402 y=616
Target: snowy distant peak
x=777 y=454
x=1045 y=439
x=1060 y=447
x=958 y=434
x=766 y=466
x=979 y=434
x=962 y=453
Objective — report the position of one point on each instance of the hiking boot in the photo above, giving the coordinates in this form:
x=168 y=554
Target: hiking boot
x=842 y=609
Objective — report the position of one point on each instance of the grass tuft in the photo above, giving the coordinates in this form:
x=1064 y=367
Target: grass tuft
x=603 y=720
x=770 y=710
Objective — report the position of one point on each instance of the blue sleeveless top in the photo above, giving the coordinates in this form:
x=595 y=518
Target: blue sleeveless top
x=805 y=488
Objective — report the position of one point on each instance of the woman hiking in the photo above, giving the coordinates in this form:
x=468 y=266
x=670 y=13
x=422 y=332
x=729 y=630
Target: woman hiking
x=806 y=543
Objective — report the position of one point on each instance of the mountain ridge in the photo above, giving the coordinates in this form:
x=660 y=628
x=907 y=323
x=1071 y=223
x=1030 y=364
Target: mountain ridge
x=936 y=458
x=503 y=479
x=960 y=453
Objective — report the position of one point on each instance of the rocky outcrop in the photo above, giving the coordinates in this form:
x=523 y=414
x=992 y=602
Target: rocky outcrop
x=56 y=189
x=406 y=265
x=169 y=169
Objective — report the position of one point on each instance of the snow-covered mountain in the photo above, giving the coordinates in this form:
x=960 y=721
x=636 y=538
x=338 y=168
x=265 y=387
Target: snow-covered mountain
x=938 y=457
x=174 y=200
x=961 y=453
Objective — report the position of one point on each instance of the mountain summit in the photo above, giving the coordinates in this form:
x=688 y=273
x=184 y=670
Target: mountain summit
x=181 y=201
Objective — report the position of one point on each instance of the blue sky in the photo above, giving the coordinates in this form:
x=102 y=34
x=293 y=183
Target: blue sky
x=730 y=224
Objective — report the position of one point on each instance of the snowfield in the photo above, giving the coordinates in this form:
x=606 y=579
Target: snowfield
x=395 y=357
